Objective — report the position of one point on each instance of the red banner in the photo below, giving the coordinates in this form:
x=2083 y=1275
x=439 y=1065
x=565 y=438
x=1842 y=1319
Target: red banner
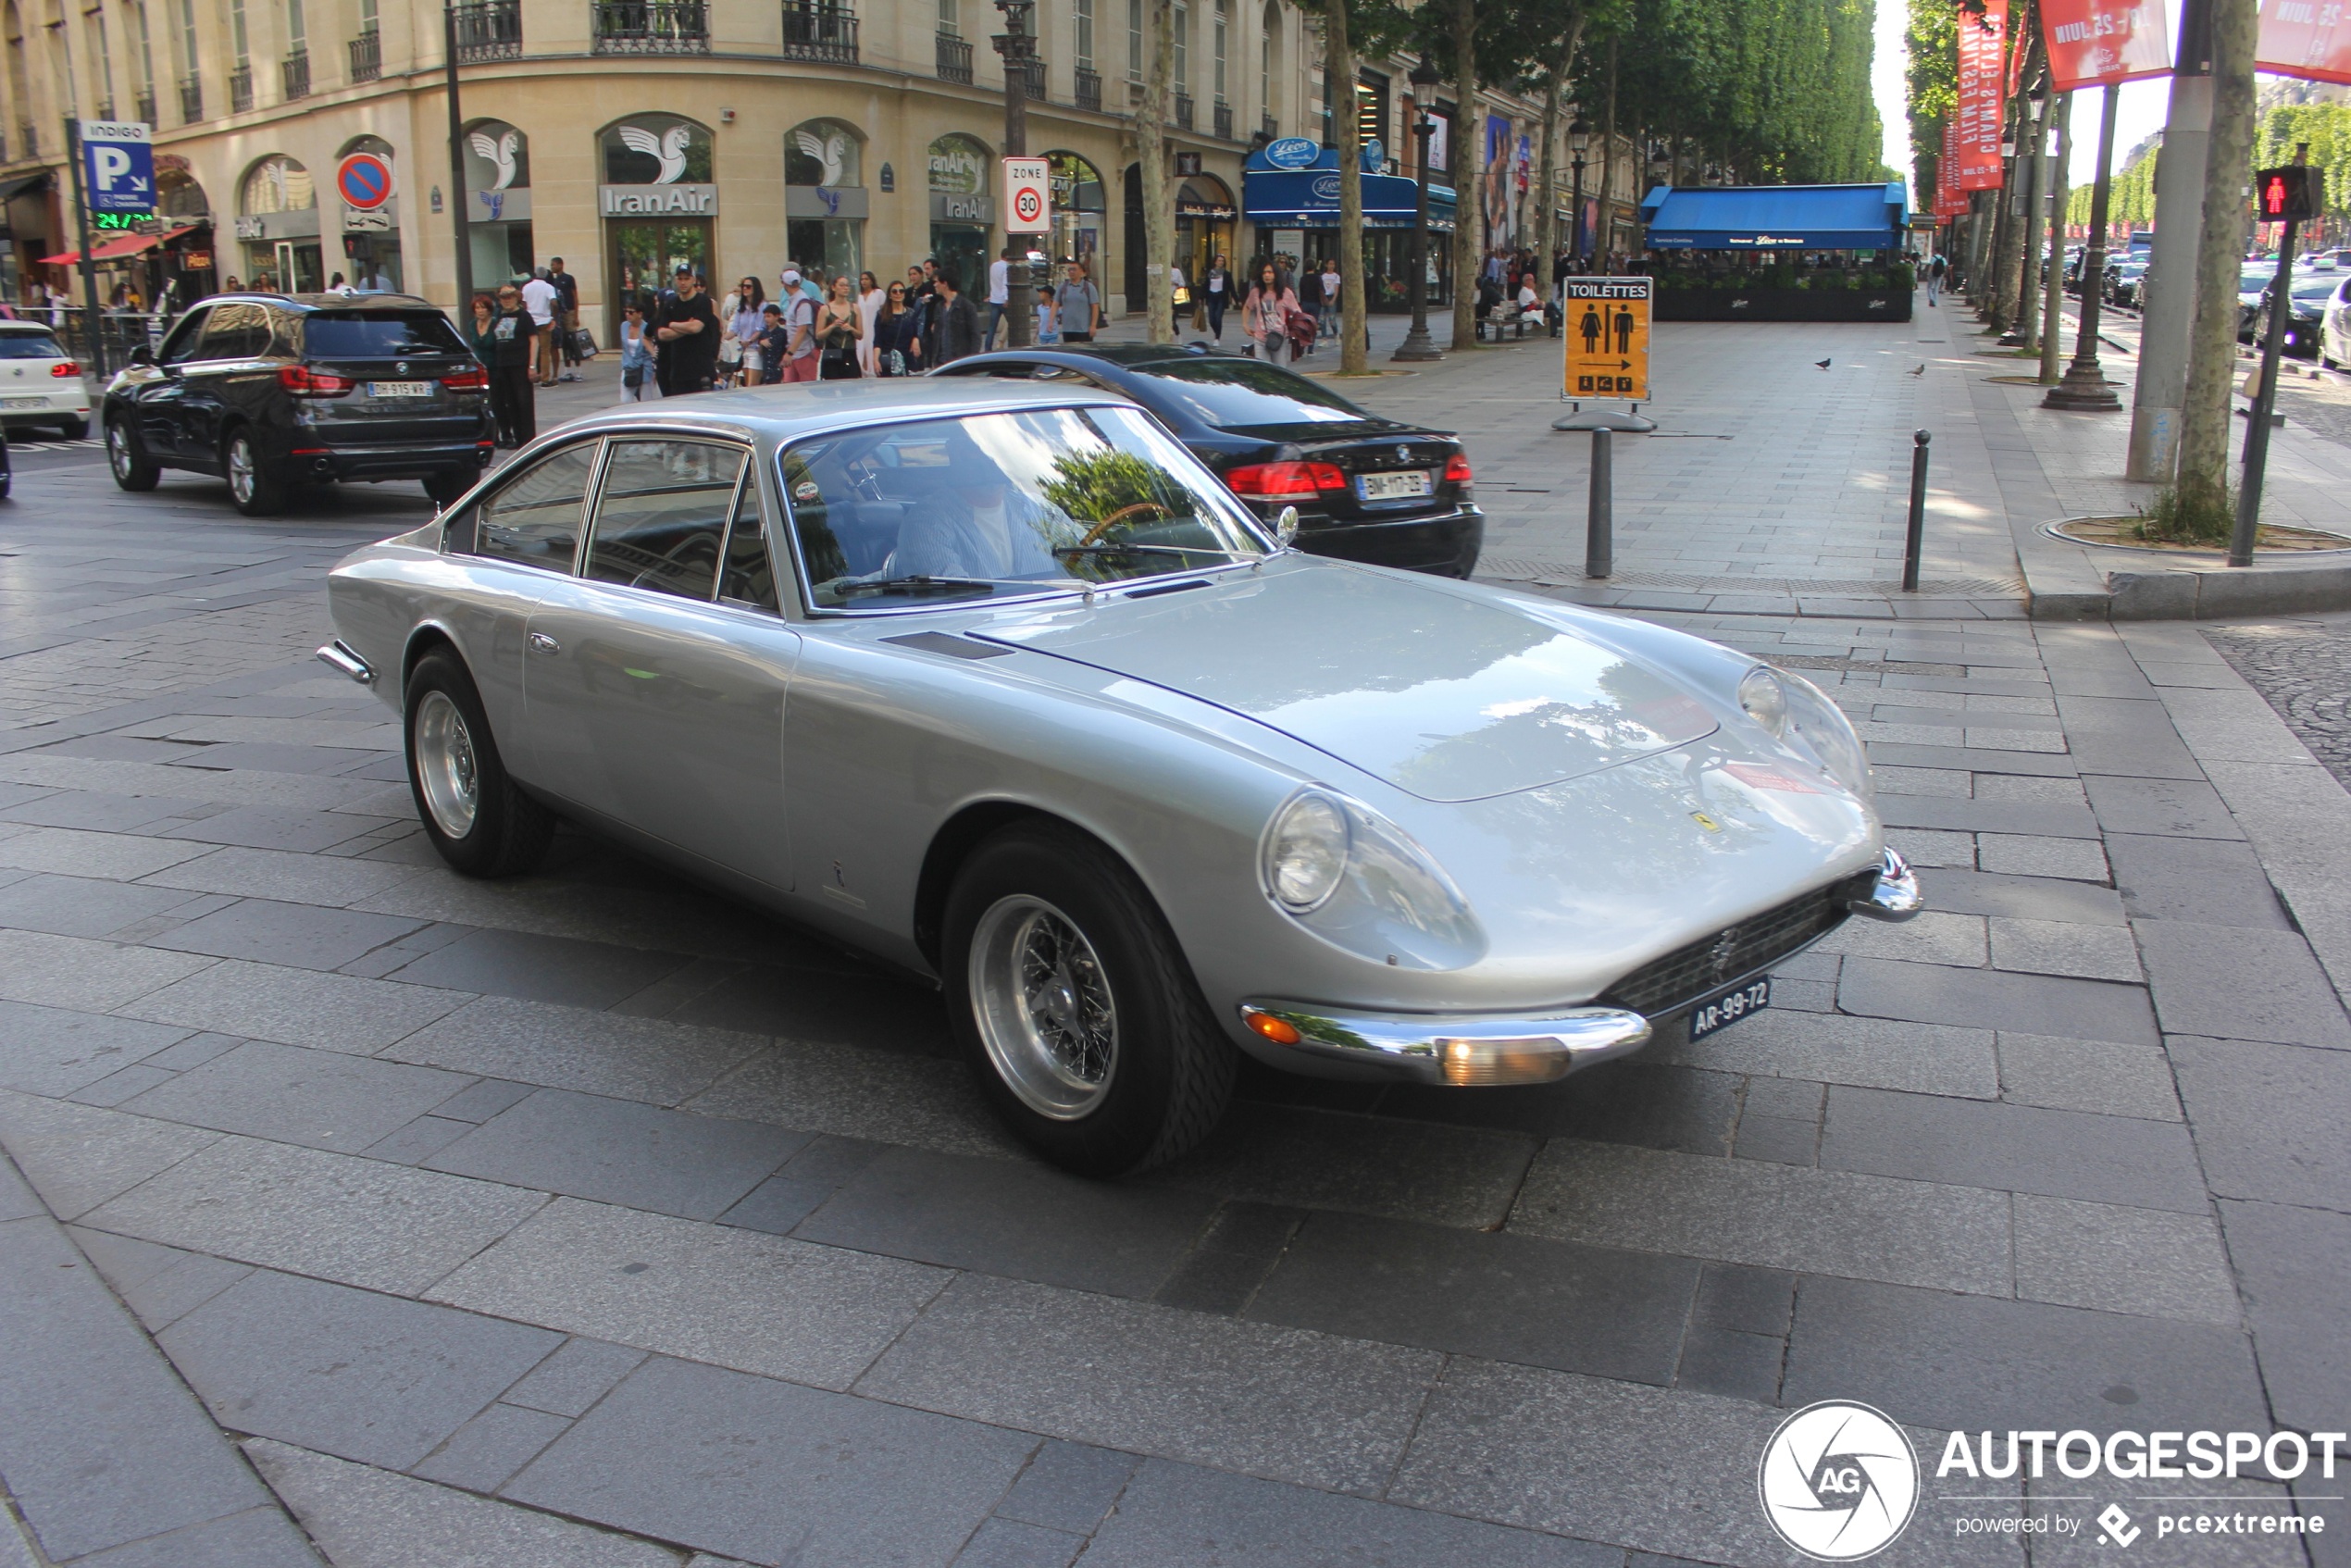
x=1949 y=200
x=2310 y=39
x=1982 y=60
x=2095 y=43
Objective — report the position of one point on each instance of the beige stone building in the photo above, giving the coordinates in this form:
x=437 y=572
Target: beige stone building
x=626 y=136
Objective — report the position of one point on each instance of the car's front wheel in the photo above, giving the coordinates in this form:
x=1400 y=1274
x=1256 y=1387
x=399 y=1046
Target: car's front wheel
x=132 y=468
x=476 y=816
x=253 y=488
x=1074 y=1004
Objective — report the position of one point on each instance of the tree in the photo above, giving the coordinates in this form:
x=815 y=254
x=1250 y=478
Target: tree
x=2201 y=494
x=1469 y=142
x=1150 y=140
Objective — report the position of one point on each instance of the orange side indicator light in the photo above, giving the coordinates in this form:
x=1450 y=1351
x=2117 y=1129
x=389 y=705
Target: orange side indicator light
x=1280 y=1031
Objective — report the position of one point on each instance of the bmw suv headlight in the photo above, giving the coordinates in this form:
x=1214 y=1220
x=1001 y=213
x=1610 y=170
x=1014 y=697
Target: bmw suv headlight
x=1358 y=880
x=1819 y=728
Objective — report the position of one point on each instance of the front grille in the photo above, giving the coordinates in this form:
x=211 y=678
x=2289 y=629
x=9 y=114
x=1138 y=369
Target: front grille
x=1753 y=945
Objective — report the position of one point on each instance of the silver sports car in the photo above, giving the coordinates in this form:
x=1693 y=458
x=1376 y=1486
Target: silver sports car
x=996 y=683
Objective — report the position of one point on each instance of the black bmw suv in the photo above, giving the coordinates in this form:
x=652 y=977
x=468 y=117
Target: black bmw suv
x=1366 y=488
x=274 y=391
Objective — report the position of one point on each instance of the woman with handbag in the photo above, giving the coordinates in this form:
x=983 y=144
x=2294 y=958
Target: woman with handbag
x=1265 y=315
x=839 y=329
x=1181 y=296
x=898 y=345
x=870 y=304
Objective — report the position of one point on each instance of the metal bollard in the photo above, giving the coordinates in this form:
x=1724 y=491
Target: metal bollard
x=1600 y=518
x=1915 y=545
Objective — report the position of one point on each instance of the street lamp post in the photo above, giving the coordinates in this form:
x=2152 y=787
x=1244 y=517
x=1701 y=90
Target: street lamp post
x=1017 y=44
x=1417 y=343
x=1579 y=136
x=2086 y=387
x=458 y=215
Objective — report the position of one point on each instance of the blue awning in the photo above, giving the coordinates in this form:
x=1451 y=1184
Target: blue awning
x=1308 y=198
x=1778 y=217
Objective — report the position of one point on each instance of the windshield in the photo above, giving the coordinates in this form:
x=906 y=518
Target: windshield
x=2314 y=288
x=1235 y=392
x=1001 y=504
x=380 y=334
x=29 y=345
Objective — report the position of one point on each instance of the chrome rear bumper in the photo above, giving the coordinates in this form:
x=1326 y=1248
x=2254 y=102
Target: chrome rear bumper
x=1896 y=895
x=1462 y=1050
x=338 y=655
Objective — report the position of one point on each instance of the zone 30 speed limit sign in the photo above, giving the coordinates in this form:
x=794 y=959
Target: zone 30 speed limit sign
x=1607 y=330
x=1028 y=209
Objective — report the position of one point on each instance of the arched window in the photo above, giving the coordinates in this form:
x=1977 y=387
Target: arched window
x=959 y=166
x=277 y=183
x=824 y=152
x=497 y=158
x=657 y=149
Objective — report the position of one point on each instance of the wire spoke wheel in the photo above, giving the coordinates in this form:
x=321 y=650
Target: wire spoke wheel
x=1043 y=1005
x=447 y=772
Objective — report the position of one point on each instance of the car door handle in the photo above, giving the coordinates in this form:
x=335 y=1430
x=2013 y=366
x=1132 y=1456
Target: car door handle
x=542 y=644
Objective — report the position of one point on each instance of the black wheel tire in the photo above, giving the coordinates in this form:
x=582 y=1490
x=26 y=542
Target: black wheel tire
x=132 y=468
x=448 y=485
x=1173 y=1069
x=255 y=491
x=509 y=832
x=74 y=430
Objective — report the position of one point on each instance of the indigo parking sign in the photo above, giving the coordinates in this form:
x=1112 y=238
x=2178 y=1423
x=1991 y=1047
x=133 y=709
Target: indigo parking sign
x=118 y=164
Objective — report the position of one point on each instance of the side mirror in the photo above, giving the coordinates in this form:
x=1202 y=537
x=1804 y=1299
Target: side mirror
x=1286 y=526
x=141 y=355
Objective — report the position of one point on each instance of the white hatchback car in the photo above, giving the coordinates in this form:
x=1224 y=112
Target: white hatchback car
x=2334 y=328
x=39 y=383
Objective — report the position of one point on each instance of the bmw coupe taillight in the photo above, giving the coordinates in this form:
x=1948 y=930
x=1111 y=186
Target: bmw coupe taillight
x=1283 y=481
x=475 y=379
x=1457 y=469
x=303 y=381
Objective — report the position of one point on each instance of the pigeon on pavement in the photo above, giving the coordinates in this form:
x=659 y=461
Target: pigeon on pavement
x=1821 y=363
x=1920 y=371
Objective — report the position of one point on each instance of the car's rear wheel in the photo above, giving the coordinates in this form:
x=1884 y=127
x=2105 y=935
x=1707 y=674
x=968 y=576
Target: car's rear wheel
x=477 y=818
x=448 y=485
x=253 y=490
x=1074 y=1004
x=133 y=469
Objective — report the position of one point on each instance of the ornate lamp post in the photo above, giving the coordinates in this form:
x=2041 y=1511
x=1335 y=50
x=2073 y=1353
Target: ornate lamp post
x=1579 y=136
x=2086 y=387
x=1017 y=43
x=1417 y=343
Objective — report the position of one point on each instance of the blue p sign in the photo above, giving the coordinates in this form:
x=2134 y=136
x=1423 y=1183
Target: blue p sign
x=119 y=166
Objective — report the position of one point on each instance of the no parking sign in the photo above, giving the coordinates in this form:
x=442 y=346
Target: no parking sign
x=364 y=180
x=1027 y=208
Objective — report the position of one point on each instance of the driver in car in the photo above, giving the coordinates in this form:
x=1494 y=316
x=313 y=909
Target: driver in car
x=982 y=526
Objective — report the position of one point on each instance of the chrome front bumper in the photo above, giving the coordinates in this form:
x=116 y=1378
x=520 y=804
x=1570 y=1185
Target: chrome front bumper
x=1895 y=896
x=1464 y=1051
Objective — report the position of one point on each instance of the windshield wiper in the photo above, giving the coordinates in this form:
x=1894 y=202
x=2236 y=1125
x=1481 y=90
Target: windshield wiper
x=1143 y=550
x=925 y=582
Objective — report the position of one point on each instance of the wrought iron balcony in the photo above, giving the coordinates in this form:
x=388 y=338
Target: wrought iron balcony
x=1090 y=89
x=1036 y=79
x=293 y=74
x=368 y=56
x=653 y=27
x=1183 y=111
x=240 y=90
x=488 y=30
x=820 y=32
x=190 y=99
x=954 y=60
x=1272 y=127
x=1223 y=122
x=146 y=103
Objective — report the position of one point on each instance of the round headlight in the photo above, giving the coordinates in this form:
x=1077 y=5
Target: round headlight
x=1764 y=698
x=1305 y=852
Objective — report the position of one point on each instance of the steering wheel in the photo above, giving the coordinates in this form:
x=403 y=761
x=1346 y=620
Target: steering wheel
x=1121 y=516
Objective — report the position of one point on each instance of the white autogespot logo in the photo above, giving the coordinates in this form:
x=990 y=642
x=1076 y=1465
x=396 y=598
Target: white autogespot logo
x=1838 y=1480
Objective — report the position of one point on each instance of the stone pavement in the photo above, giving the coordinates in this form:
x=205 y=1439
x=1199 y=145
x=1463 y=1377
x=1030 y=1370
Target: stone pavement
x=592 y=1219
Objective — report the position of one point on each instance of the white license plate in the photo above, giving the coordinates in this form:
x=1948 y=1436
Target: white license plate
x=1395 y=487
x=25 y=403
x=399 y=389
x=1722 y=1011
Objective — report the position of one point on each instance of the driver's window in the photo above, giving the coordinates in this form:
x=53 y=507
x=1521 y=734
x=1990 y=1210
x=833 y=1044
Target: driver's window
x=180 y=347
x=661 y=518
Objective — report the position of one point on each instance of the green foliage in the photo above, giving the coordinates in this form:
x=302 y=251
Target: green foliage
x=2327 y=127
x=1096 y=485
x=2173 y=519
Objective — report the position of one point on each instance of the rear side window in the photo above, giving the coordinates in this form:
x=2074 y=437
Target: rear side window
x=661 y=522
x=29 y=345
x=236 y=332
x=379 y=335
x=533 y=518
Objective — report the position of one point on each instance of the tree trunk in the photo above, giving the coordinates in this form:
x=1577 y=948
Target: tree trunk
x=2212 y=336
x=1469 y=145
x=1608 y=166
x=1159 y=206
x=2000 y=299
x=1355 y=294
x=1547 y=215
x=2053 y=273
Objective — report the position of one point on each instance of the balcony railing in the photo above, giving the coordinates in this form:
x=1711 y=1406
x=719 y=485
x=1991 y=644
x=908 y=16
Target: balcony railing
x=1183 y=111
x=1090 y=89
x=954 y=60
x=1223 y=122
x=653 y=27
x=1272 y=127
x=146 y=103
x=106 y=107
x=488 y=30
x=293 y=74
x=368 y=56
x=240 y=90
x=820 y=32
x=190 y=99
x=1036 y=79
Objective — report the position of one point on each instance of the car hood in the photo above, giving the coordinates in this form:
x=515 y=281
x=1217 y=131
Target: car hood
x=1447 y=694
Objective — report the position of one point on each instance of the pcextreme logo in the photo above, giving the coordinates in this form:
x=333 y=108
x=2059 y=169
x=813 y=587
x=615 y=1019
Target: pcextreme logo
x=1838 y=1481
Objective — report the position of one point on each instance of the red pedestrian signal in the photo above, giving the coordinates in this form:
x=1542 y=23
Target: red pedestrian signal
x=2292 y=194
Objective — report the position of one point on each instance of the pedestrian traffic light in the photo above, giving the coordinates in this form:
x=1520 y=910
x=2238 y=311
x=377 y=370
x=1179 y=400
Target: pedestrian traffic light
x=2292 y=194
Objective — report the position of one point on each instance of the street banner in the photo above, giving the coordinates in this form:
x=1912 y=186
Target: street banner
x=2310 y=39
x=1949 y=200
x=1608 y=338
x=118 y=164
x=2098 y=43
x=1983 y=59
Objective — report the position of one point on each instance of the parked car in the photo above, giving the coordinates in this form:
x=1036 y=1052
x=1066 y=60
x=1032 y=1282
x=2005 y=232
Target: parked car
x=2335 y=327
x=2122 y=282
x=1072 y=735
x=1367 y=488
x=39 y=383
x=275 y=390
x=2307 y=298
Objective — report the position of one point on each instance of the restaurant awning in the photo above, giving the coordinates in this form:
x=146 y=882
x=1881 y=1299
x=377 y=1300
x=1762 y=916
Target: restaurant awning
x=117 y=248
x=1777 y=217
x=1293 y=183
